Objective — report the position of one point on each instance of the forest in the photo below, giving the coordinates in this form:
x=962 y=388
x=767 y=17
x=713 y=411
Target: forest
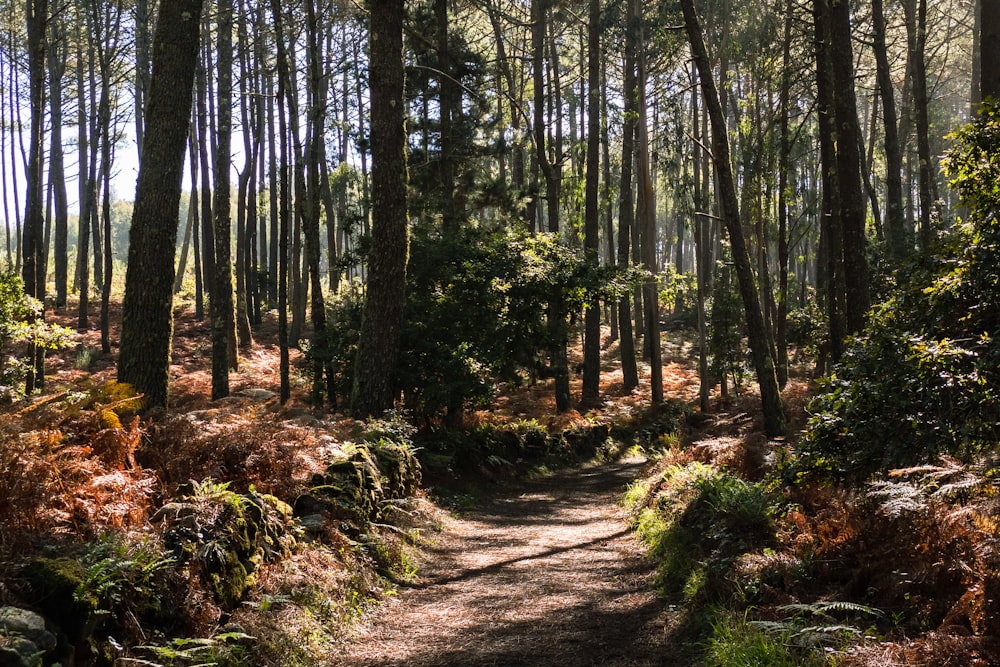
x=323 y=322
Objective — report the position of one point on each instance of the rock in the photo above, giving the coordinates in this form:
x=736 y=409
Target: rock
x=228 y=535
x=29 y=625
x=24 y=638
x=21 y=653
x=355 y=485
x=55 y=582
x=312 y=524
x=257 y=394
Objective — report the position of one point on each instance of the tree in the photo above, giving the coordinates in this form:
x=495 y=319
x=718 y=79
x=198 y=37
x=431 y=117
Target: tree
x=144 y=359
x=626 y=210
x=645 y=218
x=32 y=271
x=223 y=322
x=592 y=335
x=58 y=49
x=553 y=180
x=381 y=325
x=774 y=420
x=989 y=44
x=852 y=205
x=895 y=222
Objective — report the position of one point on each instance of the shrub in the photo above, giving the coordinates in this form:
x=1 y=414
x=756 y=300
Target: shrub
x=699 y=521
x=475 y=314
x=22 y=326
x=922 y=381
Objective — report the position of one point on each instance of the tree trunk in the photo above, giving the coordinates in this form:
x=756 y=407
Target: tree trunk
x=774 y=420
x=831 y=254
x=317 y=118
x=556 y=308
x=989 y=46
x=626 y=209
x=82 y=281
x=381 y=325
x=204 y=139
x=645 y=214
x=223 y=322
x=141 y=69
x=894 y=220
x=852 y=203
x=916 y=37
x=144 y=360
x=57 y=170
x=32 y=271
x=592 y=314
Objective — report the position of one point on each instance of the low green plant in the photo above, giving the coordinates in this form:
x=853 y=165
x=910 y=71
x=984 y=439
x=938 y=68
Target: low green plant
x=698 y=522
x=125 y=577
x=222 y=650
x=22 y=331
x=737 y=642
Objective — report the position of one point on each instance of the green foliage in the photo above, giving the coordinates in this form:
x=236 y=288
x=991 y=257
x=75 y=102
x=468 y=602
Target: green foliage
x=21 y=325
x=124 y=578
x=923 y=380
x=699 y=521
x=475 y=314
x=806 y=328
x=725 y=342
x=679 y=292
x=737 y=642
x=226 y=536
x=223 y=649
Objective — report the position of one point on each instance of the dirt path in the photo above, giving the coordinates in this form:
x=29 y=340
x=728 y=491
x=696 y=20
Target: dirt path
x=546 y=575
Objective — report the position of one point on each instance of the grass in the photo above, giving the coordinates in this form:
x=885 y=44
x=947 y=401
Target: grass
x=737 y=642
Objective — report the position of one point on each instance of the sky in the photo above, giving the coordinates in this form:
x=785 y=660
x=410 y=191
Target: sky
x=126 y=171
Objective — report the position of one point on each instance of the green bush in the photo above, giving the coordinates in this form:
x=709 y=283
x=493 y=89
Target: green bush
x=699 y=521
x=21 y=326
x=475 y=314
x=923 y=379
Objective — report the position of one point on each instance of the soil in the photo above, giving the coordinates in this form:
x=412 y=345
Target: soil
x=548 y=573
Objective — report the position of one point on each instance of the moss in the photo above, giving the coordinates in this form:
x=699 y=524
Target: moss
x=57 y=584
x=229 y=535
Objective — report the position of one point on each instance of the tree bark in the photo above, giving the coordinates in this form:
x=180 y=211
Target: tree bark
x=551 y=169
x=144 y=360
x=626 y=209
x=57 y=171
x=774 y=420
x=381 y=326
x=989 y=45
x=894 y=219
x=645 y=214
x=916 y=37
x=32 y=271
x=224 y=353
x=592 y=314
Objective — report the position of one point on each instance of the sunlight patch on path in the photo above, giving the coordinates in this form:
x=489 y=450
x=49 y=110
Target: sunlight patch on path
x=549 y=576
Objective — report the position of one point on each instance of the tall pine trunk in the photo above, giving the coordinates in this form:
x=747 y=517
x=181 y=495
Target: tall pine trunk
x=381 y=325
x=774 y=420
x=144 y=360
x=592 y=314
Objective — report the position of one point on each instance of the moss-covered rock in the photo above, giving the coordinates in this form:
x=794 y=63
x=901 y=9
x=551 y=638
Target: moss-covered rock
x=355 y=485
x=24 y=639
x=399 y=467
x=226 y=536
x=58 y=590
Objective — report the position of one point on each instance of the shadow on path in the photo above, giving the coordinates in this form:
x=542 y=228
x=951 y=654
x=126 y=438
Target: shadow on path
x=548 y=574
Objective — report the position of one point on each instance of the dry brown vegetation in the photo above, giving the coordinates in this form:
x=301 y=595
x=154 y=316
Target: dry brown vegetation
x=79 y=464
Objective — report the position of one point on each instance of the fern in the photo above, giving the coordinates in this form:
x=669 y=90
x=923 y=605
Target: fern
x=823 y=609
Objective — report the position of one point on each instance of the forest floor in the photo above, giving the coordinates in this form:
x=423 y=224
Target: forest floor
x=546 y=573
